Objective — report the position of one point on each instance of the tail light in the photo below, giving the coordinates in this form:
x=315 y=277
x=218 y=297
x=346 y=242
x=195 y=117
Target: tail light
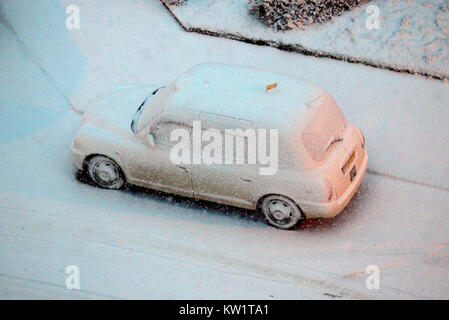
x=345 y=168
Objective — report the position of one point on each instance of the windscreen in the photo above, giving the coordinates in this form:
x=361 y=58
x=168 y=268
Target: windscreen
x=153 y=107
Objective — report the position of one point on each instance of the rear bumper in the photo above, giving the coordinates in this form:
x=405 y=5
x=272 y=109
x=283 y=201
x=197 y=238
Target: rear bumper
x=331 y=209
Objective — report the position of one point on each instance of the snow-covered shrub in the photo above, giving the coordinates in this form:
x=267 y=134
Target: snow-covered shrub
x=174 y=2
x=444 y=6
x=289 y=14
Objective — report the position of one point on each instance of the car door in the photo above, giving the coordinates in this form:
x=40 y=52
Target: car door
x=230 y=184
x=156 y=170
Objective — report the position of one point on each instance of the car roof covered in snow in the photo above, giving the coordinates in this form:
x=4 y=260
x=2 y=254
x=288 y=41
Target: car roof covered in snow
x=238 y=92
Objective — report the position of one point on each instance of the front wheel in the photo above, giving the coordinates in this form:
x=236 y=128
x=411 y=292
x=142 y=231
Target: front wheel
x=105 y=173
x=281 y=212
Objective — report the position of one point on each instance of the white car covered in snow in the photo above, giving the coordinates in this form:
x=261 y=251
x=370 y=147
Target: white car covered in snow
x=128 y=137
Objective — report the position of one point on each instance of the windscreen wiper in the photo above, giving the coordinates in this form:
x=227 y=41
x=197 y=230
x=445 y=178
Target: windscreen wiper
x=335 y=139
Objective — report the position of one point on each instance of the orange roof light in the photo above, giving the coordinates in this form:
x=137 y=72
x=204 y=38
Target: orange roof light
x=271 y=86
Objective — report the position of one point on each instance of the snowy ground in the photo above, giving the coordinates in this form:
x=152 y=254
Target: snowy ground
x=411 y=35
x=138 y=244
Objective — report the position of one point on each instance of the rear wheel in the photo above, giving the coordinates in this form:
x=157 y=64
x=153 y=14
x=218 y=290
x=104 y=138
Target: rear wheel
x=105 y=173
x=281 y=212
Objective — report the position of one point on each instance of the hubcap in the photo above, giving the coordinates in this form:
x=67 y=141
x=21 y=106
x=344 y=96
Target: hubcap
x=106 y=173
x=280 y=210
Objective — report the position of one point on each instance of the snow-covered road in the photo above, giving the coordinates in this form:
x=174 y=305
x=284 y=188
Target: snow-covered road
x=138 y=244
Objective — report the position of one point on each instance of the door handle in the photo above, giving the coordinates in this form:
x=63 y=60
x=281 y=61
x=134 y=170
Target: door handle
x=246 y=180
x=182 y=167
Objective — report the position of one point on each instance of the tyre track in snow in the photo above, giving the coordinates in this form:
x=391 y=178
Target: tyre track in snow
x=173 y=251
x=45 y=286
x=398 y=178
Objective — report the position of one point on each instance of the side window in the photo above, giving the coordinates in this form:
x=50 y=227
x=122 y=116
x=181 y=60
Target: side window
x=163 y=129
x=235 y=143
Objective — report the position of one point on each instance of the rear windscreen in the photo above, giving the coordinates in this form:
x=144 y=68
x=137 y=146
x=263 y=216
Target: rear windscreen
x=326 y=126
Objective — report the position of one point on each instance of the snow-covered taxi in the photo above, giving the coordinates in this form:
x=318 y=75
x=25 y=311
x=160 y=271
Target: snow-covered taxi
x=128 y=137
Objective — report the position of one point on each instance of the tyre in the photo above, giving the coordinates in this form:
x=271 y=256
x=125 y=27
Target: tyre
x=105 y=173
x=281 y=212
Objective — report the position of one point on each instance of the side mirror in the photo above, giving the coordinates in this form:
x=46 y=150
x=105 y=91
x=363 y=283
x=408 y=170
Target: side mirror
x=150 y=140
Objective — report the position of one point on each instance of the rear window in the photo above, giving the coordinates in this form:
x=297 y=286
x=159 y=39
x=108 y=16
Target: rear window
x=326 y=126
